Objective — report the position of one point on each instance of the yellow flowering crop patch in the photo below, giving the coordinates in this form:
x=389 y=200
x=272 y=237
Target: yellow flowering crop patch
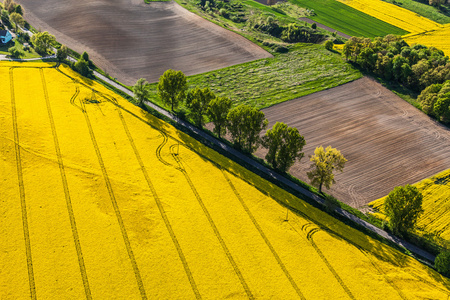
x=392 y=14
x=438 y=38
x=436 y=204
x=100 y=199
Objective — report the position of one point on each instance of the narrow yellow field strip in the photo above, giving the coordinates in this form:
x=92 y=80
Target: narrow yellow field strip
x=13 y=258
x=108 y=267
x=392 y=14
x=437 y=37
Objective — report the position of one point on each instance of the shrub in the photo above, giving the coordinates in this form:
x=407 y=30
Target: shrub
x=329 y=45
x=314 y=26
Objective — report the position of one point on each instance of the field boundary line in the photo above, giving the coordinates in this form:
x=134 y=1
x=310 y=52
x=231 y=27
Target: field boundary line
x=23 y=204
x=212 y=224
x=126 y=240
x=159 y=204
x=261 y=232
x=62 y=171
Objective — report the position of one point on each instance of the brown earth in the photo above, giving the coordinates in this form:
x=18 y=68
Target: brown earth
x=130 y=39
x=387 y=141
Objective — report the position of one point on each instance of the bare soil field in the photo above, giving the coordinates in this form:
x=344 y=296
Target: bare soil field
x=130 y=39
x=387 y=141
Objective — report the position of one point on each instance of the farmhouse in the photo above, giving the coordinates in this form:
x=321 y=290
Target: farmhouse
x=5 y=36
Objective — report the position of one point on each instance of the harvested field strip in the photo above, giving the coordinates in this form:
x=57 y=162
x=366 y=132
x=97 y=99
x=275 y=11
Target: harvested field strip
x=436 y=204
x=193 y=218
x=437 y=37
x=348 y=20
x=393 y=14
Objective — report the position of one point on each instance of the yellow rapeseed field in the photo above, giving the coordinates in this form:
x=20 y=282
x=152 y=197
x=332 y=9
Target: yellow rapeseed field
x=394 y=15
x=436 y=204
x=101 y=200
x=438 y=38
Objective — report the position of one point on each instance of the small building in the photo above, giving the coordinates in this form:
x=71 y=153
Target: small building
x=5 y=36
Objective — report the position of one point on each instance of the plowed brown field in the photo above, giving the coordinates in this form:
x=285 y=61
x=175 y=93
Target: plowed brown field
x=130 y=39
x=387 y=141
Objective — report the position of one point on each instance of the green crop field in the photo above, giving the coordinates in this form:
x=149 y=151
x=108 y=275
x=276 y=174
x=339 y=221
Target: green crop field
x=347 y=20
x=265 y=82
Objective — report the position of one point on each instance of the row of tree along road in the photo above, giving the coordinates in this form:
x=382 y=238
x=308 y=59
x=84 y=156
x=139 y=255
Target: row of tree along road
x=244 y=124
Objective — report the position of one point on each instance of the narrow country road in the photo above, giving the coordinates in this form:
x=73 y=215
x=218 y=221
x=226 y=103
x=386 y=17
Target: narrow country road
x=418 y=251
x=274 y=175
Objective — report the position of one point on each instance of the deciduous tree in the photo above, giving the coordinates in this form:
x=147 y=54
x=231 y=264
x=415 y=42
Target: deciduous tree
x=42 y=41
x=245 y=123
x=197 y=100
x=442 y=262
x=324 y=162
x=17 y=19
x=217 y=113
x=403 y=206
x=284 y=144
x=442 y=108
x=62 y=53
x=141 y=91
x=172 y=88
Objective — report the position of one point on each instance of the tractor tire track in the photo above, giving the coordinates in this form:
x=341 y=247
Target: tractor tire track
x=378 y=268
x=73 y=223
x=309 y=237
x=212 y=224
x=332 y=232
x=26 y=232
x=264 y=237
x=115 y=205
x=159 y=204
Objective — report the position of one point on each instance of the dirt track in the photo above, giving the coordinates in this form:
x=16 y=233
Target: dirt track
x=130 y=39
x=387 y=141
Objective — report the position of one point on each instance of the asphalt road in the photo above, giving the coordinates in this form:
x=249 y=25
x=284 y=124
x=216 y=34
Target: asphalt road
x=418 y=251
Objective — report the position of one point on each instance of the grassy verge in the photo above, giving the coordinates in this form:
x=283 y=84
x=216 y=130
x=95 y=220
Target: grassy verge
x=348 y=20
x=441 y=16
x=304 y=70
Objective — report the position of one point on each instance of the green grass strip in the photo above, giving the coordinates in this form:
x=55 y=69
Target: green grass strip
x=262 y=83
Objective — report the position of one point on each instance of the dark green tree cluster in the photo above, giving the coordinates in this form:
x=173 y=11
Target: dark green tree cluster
x=442 y=263
x=290 y=33
x=83 y=66
x=435 y=101
x=392 y=58
x=284 y=146
x=13 y=7
x=229 y=10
